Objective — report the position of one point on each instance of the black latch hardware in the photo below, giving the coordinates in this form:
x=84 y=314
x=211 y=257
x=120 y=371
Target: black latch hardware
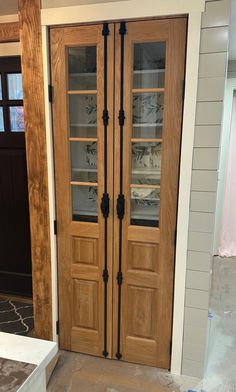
x=105 y=30
x=119 y=278
x=105 y=275
x=105 y=205
x=122 y=29
x=121 y=118
x=120 y=207
x=50 y=93
x=105 y=117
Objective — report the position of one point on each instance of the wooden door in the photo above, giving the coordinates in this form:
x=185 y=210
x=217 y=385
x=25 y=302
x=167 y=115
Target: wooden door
x=15 y=260
x=82 y=101
x=150 y=60
x=115 y=296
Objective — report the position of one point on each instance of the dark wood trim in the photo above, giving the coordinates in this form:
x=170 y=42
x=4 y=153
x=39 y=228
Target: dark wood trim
x=9 y=32
x=33 y=87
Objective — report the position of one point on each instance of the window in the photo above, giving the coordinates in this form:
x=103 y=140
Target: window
x=11 y=96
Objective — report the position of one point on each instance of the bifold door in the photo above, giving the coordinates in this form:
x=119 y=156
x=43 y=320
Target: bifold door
x=117 y=112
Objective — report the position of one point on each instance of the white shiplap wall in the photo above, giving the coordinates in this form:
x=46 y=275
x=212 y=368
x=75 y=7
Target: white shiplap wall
x=211 y=83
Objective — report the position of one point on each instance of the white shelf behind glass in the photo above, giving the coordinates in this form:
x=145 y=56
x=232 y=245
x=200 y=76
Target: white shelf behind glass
x=148 y=71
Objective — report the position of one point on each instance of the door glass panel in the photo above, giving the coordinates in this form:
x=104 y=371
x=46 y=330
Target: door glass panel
x=1 y=120
x=83 y=115
x=148 y=115
x=146 y=163
x=147 y=125
x=82 y=68
x=84 y=161
x=17 y=118
x=14 y=85
x=145 y=206
x=149 y=65
x=84 y=203
x=82 y=99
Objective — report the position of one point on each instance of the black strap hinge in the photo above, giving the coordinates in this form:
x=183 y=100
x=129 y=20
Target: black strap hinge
x=122 y=29
x=175 y=237
x=121 y=118
x=183 y=89
x=120 y=207
x=105 y=275
x=55 y=227
x=57 y=327
x=50 y=93
x=119 y=278
x=105 y=30
x=105 y=117
x=105 y=205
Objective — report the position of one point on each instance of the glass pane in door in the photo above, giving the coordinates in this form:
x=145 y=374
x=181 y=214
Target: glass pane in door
x=17 y=118
x=145 y=206
x=149 y=65
x=14 y=86
x=84 y=203
x=146 y=163
x=147 y=131
x=83 y=115
x=84 y=161
x=148 y=115
x=82 y=68
x=82 y=100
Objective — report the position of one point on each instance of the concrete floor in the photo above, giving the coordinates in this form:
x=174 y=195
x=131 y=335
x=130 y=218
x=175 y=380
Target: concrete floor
x=76 y=372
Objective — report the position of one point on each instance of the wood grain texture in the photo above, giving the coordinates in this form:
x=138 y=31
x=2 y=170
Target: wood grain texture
x=81 y=244
x=9 y=32
x=33 y=88
x=148 y=253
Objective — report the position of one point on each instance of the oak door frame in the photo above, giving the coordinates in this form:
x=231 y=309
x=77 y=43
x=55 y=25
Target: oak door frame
x=9 y=33
x=36 y=157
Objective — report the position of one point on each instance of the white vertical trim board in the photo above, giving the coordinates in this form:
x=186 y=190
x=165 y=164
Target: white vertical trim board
x=131 y=9
x=51 y=185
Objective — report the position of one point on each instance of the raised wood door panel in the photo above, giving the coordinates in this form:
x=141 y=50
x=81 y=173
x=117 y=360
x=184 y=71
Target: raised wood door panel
x=78 y=88
x=151 y=150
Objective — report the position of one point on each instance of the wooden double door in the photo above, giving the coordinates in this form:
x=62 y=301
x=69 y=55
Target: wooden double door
x=117 y=112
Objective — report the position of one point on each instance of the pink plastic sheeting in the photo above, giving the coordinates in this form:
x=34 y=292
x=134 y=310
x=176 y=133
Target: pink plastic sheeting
x=228 y=233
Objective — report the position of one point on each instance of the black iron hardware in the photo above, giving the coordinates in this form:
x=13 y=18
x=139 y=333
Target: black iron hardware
x=105 y=30
x=105 y=205
x=105 y=197
x=57 y=328
x=55 y=227
x=119 y=278
x=105 y=117
x=183 y=89
x=120 y=200
x=50 y=93
x=120 y=207
x=105 y=275
x=121 y=118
